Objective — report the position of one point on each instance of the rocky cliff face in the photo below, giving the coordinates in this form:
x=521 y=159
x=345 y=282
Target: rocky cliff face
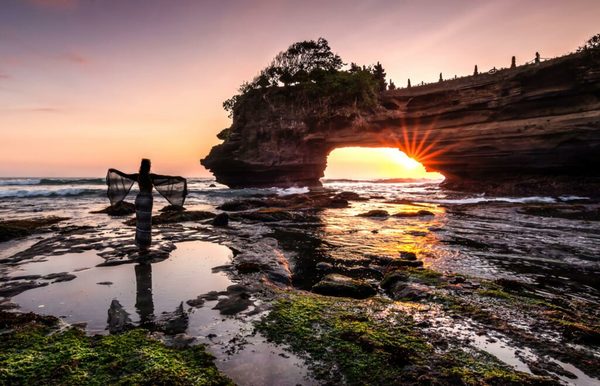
x=534 y=122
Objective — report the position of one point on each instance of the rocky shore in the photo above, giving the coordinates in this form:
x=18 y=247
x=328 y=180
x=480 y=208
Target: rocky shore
x=372 y=313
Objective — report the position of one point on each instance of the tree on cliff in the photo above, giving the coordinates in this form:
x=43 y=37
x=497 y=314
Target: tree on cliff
x=301 y=62
x=309 y=71
x=379 y=74
x=591 y=43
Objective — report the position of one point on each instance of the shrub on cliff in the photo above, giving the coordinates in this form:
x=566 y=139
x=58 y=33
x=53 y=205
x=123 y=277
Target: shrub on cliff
x=591 y=43
x=310 y=73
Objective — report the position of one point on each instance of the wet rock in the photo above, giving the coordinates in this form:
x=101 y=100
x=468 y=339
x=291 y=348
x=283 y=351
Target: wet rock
x=420 y=213
x=21 y=277
x=105 y=283
x=350 y=196
x=196 y=303
x=245 y=267
x=58 y=277
x=181 y=216
x=360 y=272
x=546 y=368
x=569 y=212
x=177 y=217
x=172 y=208
x=396 y=263
x=458 y=279
x=380 y=213
x=11 y=289
x=238 y=300
x=221 y=220
x=324 y=266
x=274 y=215
x=336 y=203
x=12 y=229
x=406 y=255
x=181 y=341
x=513 y=285
x=211 y=296
x=212 y=186
x=408 y=291
x=120 y=209
x=118 y=319
x=340 y=285
x=241 y=205
x=391 y=278
x=172 y=323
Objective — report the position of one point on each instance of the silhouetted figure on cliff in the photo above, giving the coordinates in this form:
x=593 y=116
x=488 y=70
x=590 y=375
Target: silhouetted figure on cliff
x=537 y=58
x=174 y=189
x=441 y=79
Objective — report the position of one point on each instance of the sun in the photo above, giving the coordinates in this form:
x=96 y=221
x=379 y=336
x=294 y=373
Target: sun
x=402 y=160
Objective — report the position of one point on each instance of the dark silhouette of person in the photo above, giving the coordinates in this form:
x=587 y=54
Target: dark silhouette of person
x=173 y=188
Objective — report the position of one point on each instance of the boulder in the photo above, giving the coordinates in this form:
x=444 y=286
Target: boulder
x=221 y=220
x=339 y=285
x=120 y=209
x=118 y=319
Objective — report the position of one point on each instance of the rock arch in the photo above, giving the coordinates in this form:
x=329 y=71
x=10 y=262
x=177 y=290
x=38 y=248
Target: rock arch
x=531 y=122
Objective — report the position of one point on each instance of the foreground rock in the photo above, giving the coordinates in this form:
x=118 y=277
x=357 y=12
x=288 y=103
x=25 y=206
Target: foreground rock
x=12 y=229
x=339 y=285
x=172 y=217
x=120 y=209
x=64 y=355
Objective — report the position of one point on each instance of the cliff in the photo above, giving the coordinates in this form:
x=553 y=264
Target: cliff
x=538 y=122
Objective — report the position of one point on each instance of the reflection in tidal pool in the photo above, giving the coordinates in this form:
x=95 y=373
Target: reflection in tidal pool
x=142 y=289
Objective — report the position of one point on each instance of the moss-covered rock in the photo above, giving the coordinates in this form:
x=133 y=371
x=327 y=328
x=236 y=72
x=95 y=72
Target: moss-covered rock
x=339 y=285
x=349 y=341
x=33 y=351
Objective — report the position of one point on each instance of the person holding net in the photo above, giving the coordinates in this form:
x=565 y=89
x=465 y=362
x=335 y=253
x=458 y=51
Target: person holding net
x=172 y=188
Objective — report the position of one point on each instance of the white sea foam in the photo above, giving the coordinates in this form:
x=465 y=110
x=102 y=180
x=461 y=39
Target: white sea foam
x=293 y=190
x=513 y=200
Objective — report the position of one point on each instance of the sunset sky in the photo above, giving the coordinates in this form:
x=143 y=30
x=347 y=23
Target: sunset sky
x=87 y=85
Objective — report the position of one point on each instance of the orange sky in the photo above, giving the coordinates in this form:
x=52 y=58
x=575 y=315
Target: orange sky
x=87 y=85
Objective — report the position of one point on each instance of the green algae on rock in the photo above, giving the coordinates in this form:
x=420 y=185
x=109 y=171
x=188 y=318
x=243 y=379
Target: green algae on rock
x=347 y=341
x=34 y=351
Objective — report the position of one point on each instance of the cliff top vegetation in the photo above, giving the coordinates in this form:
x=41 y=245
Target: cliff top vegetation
x=312 y=73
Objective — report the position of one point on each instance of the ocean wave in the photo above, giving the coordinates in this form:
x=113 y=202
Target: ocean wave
x=293 y=190
x=51 y=181
x=512 y=200
x=72 y=181
x=19 y=181
x=66 y=192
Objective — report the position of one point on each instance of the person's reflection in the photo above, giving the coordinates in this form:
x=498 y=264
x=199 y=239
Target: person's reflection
x=143 y=300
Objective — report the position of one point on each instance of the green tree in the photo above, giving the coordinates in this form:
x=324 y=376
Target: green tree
x=591 y=43
x=380 y=74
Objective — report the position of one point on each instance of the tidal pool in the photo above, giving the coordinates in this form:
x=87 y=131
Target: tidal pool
x=142 y=289
x=147 y=290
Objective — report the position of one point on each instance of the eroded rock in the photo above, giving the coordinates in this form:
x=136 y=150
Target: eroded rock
x=339 y=285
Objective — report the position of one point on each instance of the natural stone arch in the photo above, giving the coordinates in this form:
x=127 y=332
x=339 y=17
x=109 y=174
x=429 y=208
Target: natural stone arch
x=531 y=122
